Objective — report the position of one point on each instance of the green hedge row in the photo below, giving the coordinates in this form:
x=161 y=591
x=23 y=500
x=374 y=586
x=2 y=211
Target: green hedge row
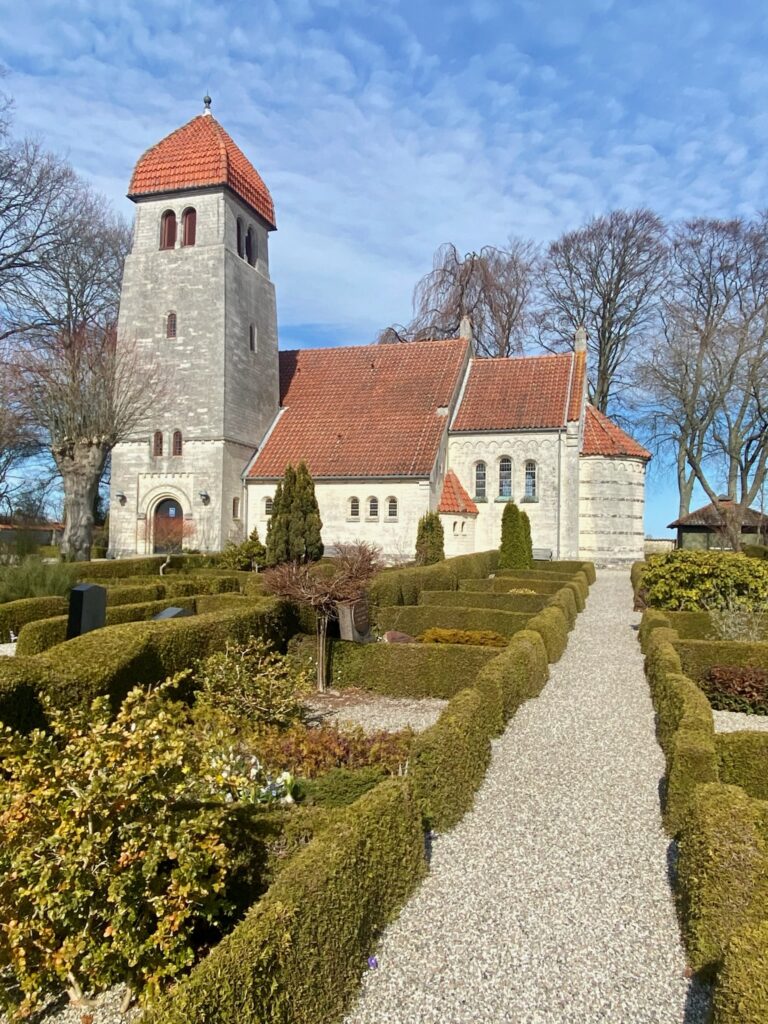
x=408 y=670
x=741 y=989
x=552 y=626
x=564 y=565
x=112 y=660
x=403 y=586
x=530 y=604
x=756 y=551
x=743 y=761
x=415 y=619
x=520 y=671
x=577 y=580
x=503 y=584
x=698 y=656
x=298 y=955
x=15 y=614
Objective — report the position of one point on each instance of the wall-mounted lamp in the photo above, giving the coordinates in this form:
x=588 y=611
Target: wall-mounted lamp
x=205 y=497
x=121 y=497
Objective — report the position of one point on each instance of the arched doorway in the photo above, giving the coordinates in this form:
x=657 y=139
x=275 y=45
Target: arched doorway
x=168 y=527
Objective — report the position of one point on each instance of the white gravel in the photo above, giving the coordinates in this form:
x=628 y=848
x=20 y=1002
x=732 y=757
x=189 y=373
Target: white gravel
x=550 y=901
x=103 y=1009
x=7 y=650
x=736 y=721
x=374 y=712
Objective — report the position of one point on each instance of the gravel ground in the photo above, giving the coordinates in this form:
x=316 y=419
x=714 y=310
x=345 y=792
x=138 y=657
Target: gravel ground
x=550 y=901
x=7 y=650
x=374 y=712
x=105 y=1010
x=735 y=721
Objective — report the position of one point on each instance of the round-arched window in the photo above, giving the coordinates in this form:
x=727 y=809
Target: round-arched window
x=354 y=508
x=505 y=477
x=373 y=508
x=168 y=230
x=188 y=226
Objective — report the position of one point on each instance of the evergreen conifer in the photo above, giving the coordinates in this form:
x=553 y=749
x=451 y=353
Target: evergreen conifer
x=277 y=534
x=294 y=531
x=527 y=535
x=513 y=553
x=430 y=540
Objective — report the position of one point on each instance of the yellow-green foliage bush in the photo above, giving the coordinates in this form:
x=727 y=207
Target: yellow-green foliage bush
x=695 y=580
x=479 y=637
x=33 y=577
x=722 y=871
x=299 y=953
x=741 y=988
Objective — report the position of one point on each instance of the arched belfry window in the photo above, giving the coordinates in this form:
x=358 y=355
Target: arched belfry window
x=188 y=226
x=168 y=230
x=240 y=238
x=170 y=325
x=177 y=443
x=480 y=480
x=505 y=477
x=157 y=443
x=251 y=247
x=531 y=483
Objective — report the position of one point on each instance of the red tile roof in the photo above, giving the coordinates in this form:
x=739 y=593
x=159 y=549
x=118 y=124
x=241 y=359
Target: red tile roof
x=524 y=393
x=603 y=437
x=366 y=410
x=201 y=154
x=454 y=498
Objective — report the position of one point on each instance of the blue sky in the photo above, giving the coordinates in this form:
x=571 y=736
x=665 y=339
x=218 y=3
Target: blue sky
x=385 y=129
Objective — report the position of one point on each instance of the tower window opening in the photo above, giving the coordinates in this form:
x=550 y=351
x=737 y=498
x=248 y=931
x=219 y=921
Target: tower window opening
x=168 y=230
x=251 y=248
x=252 y=338
x=188 y=226
x=170 y=325
x=177 y=443
x=157 y=443
x=240 y=239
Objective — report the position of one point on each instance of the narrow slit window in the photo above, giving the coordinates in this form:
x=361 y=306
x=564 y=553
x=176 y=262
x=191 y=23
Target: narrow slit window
x=253 y=338
x=235 y=508
x=168 y=230
x=170 y=325
x=354 y=508
x=250 y=247
x=157 y=443
x=480 y=480
x=177 y=442
x=188 y=227
x=505 y=477
x=530 y=480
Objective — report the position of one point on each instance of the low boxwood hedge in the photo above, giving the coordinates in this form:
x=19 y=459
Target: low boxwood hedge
x=407 y=670
x=699 y=656
x=566 y=565
x=577 y=580
x=521 y=671
x=527 y=603
x=503 y=584
x=415 y=619
x=741 y=989
x=551 y=624
x=297 y=956
x=743 y=761
x=403 y=586
x=722 y=872
x=15 y=614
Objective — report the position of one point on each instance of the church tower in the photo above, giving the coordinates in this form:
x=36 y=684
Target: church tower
x=198 y=303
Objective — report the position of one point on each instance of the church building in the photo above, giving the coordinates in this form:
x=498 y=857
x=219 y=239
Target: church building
x=388 y=432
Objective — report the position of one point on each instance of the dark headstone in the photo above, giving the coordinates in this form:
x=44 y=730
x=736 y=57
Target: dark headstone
x=353 y=620
x=171 y=613
x=87 y=609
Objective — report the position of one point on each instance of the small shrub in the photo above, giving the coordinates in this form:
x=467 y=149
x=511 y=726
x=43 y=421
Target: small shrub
x=251 y=684
x=478 y=637
x=310 y=752
x=691 y=580
x=737 y=619
x=430 y=540
x=737 y=688
x=248 y=556
x=34 y=578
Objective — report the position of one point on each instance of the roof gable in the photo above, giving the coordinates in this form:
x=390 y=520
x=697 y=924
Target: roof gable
x=197 y=155
x=603 y=437
x=524 y=393
x=454 y=498
x=364 y=410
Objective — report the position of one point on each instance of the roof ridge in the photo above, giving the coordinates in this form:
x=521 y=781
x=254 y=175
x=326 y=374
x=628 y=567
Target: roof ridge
x=371 y=344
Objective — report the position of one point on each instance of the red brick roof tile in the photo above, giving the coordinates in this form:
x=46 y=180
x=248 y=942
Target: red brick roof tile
x=454 y=498
x=365 y=410
x=197 y=155
x=524 y=393
x=603 y=437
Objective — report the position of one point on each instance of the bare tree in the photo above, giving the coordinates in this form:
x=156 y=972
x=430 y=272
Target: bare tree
x=17 y=441
x=606 y=277
x=323 y=590
x=707 y=376
x=492 y=288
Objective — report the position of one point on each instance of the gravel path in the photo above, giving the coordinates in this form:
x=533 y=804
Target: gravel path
x=736 y=721
x=374 y=712
x=550 y=903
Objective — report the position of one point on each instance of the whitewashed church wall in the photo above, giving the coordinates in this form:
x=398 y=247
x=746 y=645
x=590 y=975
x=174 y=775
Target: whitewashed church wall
x=611 y=507
x=459 y=534
x=395 y=535
x=547 y=513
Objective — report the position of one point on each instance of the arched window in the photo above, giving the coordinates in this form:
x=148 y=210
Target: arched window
x=354 y=508
x=252 y=338
x=373 y=508
x=392 y=508
x=170 y=325
x=168 y=230
x=240 y=239
x=251 y=247
x=268 y=506
x=177 y=445
x=505 y=477
x=188 y=226
x=157 y=443
x=531 y=487
x=480 y=480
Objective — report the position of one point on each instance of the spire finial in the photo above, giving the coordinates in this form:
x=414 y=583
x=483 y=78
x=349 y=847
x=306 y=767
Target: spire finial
x=207 y=104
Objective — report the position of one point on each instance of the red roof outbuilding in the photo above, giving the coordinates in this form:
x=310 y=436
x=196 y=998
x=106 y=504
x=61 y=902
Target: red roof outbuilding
x=201 y=154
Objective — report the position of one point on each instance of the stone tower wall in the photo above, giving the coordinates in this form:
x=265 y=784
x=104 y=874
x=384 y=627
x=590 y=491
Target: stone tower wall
x=611 y=506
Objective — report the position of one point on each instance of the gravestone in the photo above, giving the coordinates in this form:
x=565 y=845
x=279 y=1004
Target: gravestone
x=353 y=620
x=87 y=609
x=171 y=613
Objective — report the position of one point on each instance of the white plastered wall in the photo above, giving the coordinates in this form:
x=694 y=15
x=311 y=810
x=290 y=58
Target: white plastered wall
x=611 y=509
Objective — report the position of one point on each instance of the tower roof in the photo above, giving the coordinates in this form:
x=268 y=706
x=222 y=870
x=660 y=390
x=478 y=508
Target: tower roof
x=201 y=154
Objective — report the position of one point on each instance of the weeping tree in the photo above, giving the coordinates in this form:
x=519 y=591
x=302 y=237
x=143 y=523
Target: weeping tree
x=323 y=588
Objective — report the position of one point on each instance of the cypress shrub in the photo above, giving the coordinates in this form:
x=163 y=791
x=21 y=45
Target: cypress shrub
x=277 y=528
x=526 y=523
x=294 y=530
x=430 y=540
x=513 y=553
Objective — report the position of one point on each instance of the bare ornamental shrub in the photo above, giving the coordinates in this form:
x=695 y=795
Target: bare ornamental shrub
x=739 y=620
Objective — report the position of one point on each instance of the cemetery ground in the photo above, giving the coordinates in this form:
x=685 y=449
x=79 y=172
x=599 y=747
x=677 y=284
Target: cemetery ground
x=468 y=821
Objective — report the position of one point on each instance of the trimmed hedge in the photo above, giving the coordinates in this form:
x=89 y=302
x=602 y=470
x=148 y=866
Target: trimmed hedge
x=520 y=671
x=741 y=990
x=588 y=568
x=551 y=624
x=698 y=656
x=722 y=872
x=298 y=955
x=415 y=619
x=525 y=575
x=743 y=761
x=403 y=586
x=135 y=594
x=408 y=670
x=503 y=584
x=529 y=604
x=15 y=614
x=565 y=600
x=756 y=551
